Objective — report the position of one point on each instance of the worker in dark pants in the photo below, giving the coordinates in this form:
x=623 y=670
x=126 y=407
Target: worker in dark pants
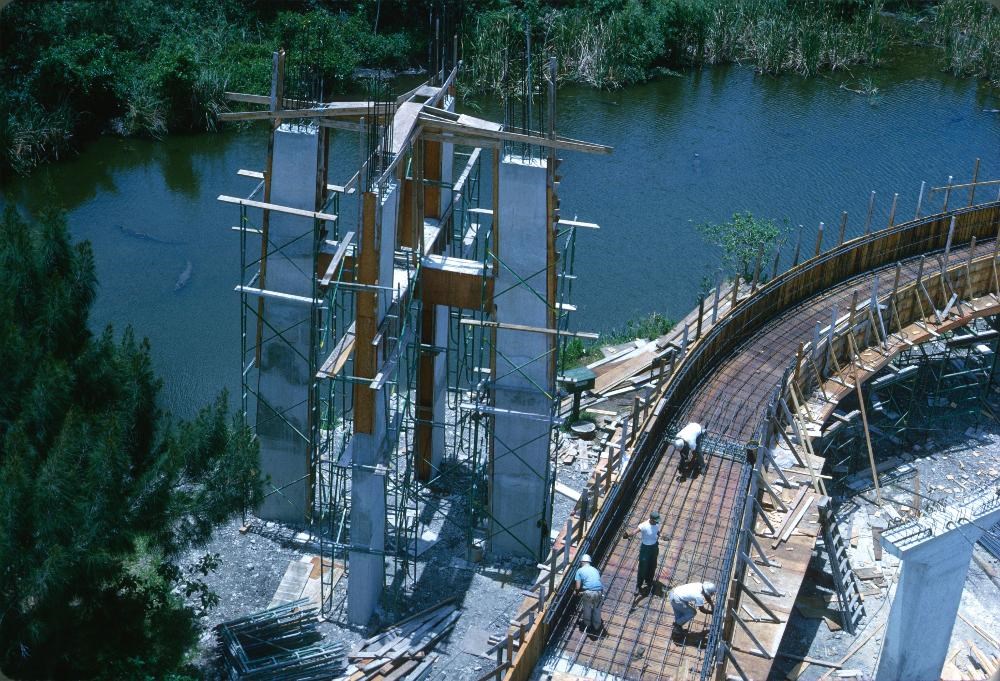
x=648 y=551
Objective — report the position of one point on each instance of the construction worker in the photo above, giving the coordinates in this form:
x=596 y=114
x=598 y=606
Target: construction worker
x=688 y=439
x=591 y=590
x=686 y=598
x=648 y=551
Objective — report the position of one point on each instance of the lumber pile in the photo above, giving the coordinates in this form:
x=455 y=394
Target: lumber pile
x=402 y=652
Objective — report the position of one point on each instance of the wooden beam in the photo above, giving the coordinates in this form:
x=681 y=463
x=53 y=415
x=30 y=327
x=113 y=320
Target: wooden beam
x=503 y=135
x=332 y=111
x=456 y=282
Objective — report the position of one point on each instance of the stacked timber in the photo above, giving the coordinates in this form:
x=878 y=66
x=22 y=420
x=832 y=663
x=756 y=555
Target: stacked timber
x=402 y=652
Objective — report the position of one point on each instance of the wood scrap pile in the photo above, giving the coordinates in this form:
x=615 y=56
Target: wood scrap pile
x=402 y=652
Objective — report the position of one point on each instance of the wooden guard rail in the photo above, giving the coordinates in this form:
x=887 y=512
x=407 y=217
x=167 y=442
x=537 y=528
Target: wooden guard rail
x=683 y=367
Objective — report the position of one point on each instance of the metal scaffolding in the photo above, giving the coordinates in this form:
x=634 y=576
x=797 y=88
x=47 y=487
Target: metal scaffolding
x=340 y=318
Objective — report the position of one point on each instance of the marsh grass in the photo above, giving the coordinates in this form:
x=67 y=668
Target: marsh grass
x=625 y=45
x=969 y=33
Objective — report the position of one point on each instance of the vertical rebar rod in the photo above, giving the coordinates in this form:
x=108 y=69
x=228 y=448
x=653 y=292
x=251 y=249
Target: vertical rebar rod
x=871 y=210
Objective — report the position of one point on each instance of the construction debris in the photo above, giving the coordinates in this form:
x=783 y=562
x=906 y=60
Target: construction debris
x=279 y=644
x=401 y=653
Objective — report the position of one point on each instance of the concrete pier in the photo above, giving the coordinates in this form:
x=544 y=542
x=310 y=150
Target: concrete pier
x=282 y=409
x=523 y=373
x=935 y=552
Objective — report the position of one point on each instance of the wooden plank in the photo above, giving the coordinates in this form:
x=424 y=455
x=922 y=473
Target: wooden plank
x=329 y=111
x=338 y=257
x=796 y=518
x=531 y=329
x=339 y=355
x=277 y=209
x=277 y=295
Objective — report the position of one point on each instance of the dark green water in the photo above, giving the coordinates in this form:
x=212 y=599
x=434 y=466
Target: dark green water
x=688 y=149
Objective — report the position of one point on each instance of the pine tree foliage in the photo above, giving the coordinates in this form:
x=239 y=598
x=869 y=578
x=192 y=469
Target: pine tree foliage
x=100 y=491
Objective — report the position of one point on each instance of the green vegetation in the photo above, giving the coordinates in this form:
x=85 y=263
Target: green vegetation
x=144 y=67
x=73 y=70
x=623 y=42
x=578 y=352
x=741 y=238
x=100 y=492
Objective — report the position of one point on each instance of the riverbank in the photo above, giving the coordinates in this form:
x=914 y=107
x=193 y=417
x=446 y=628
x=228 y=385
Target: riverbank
x=77 y=70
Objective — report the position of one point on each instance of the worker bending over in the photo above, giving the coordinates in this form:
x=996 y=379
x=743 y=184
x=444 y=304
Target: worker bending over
x=649 y=550
x=686 y=598
x=588 y=584
x=688 y=439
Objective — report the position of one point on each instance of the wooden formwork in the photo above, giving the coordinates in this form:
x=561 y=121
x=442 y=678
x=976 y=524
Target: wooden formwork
x=725 y=379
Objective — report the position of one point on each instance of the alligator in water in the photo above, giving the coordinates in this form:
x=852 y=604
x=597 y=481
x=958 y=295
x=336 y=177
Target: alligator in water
x=184 y=277
x=146 y=237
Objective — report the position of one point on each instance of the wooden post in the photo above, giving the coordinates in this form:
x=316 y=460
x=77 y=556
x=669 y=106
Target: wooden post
x=568 y=540
x=975 y=178
x=715 y=303
x=798 y=246
x=843 y=228
x=920 y=199
x=756 y=269
x=621 y=443
x=968 y=269
x=947 y=195
x=864 y=420
x=819 y=240
x=684 y=341
x=871 y=209
x=892 y=211
x=701 y=312
x=777 y=260
x=736 y=291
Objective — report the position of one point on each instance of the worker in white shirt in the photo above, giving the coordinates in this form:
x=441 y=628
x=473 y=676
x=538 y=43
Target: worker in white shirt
x=648 y=551
x=588 y=584
x=688 y=439
x=686 y=598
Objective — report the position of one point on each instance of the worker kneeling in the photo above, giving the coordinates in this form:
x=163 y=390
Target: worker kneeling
x=588 y=583
x=688 y=439
x=686 y=598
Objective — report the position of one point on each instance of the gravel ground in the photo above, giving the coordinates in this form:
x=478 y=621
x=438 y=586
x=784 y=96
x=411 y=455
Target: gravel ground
x=946 y=467
x=490 y=592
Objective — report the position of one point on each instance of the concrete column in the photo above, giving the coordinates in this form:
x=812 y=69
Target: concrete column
x=282 y=421
x=935 y=552
x=520 y=502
